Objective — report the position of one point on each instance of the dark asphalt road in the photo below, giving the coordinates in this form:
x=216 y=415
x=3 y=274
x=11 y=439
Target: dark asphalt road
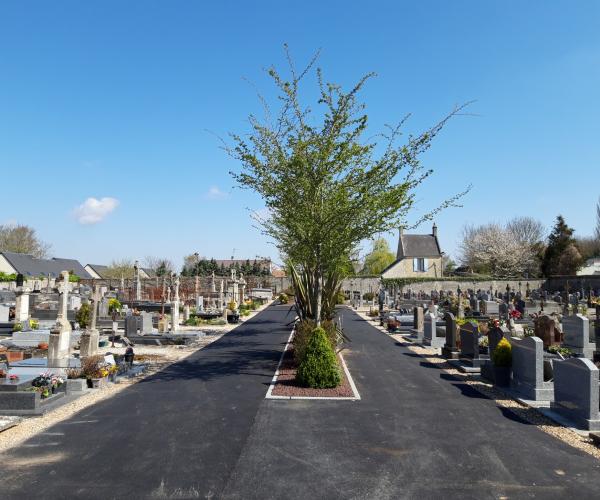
x=202 y=429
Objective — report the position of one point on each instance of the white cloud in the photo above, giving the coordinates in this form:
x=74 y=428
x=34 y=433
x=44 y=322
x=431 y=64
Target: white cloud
x=92 y=210
x=214 y=193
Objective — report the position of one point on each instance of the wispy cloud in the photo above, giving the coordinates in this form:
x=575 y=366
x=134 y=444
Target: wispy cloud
x=94 y=210
x=214 y=193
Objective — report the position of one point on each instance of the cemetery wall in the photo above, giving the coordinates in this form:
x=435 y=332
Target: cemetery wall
x=558 y=283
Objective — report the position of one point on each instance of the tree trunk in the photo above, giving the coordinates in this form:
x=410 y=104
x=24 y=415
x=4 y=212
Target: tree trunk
x=318 y=296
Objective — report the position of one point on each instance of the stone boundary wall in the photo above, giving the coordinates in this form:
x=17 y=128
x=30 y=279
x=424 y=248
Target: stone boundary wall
x=558 y=283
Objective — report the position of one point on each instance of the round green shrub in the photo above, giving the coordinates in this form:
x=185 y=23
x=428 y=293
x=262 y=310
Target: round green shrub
x=502 y=354
x=319 y=368
x=84 y=315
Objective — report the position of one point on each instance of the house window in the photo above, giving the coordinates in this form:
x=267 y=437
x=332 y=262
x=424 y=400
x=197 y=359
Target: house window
x=419 y=265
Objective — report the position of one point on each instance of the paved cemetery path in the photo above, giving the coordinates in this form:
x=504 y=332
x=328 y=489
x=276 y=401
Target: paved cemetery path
x=176 y=434
x=202 y=429
x=415 y=434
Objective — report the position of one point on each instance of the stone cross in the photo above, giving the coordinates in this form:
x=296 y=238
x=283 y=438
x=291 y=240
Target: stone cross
x=177 y=282
x=63 y=303
x=138 y=285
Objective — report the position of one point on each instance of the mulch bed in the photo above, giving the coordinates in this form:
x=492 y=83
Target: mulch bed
x=286 y=384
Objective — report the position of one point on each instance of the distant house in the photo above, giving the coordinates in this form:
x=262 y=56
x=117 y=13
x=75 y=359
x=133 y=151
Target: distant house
x=98 y=272
x=33 y=268
x=418 y=256
x=591 y=268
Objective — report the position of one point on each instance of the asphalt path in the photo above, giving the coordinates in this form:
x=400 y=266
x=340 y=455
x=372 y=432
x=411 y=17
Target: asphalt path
x=202 y=429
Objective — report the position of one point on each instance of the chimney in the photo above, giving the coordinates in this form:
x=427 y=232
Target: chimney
x=434 y=230
x=400 y=252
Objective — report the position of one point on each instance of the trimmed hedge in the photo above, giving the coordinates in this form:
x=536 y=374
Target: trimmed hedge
x=319 y=368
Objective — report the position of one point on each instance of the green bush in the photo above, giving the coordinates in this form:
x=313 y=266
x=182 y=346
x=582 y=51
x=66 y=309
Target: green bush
x=503 y=354
x=114 y=306
x=83 y=316
x=340 y=298
x=303 y=333
x=283 y=298
x=319 y=368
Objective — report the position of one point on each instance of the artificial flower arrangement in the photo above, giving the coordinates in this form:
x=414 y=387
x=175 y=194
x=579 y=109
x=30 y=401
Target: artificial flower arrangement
x=514 y=314
x=47 y=383
x=496 y=323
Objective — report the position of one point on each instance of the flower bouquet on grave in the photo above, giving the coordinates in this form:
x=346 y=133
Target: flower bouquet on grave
x=13 y=377
x=2 y=373
x=56 y=382
x=514 y=314
x=43 y=384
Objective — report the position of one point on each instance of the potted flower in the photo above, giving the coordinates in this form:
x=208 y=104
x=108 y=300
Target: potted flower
x=502 y=362
x=112 y=373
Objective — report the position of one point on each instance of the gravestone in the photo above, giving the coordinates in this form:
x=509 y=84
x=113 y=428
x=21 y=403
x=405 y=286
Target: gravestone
x=418 y=323
x=146 y=322
x=495 y=335
x=21 y=306
x=576 y=335
x=474 y=304
x=597 y=328
x=74 y=302
x=469 y=346
x=131 y=325
x=528 y=369
x=430 y=333
x=450 y=349
x=490 y=308
x=200 y=304
x=88 y=343
x=4 y=311
x=545 y=328
x=576 y=392
x=503 y=311
x=58 y=347
x=186 y=313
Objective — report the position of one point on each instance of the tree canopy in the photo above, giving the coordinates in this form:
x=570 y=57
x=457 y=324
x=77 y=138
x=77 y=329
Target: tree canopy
x=378 y=258
x=326 y=185
x=562 y=256
x=22 y=239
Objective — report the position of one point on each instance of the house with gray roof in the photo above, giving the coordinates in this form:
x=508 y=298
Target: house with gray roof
x=33 y=268
x=99 y=271
x=418 y=256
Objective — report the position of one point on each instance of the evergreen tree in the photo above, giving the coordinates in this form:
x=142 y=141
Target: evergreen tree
x=561 y=256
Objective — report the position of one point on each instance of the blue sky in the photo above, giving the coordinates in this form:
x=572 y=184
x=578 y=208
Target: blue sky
x=120 y=101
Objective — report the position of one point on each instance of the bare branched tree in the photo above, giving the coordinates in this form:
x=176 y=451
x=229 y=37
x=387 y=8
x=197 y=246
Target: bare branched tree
x=22 y=239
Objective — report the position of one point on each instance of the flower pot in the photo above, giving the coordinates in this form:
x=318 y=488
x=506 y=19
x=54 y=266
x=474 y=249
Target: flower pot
x=502 y=375
x=76 y=385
